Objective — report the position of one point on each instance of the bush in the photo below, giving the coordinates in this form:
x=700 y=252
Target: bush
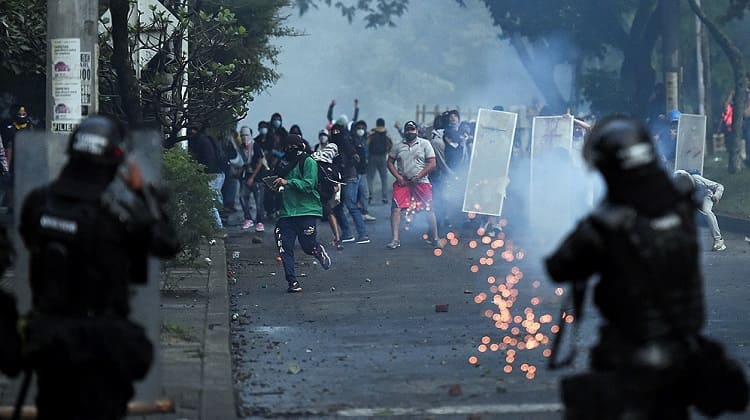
x=191 y=201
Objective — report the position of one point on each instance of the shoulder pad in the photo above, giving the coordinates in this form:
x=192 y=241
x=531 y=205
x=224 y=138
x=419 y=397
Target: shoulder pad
x=613 y=217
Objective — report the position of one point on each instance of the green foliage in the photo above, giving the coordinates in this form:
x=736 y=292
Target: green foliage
x=23 y=46
x=191 y=201
x=736 y=199
x=22 y=37
x=229 y=59
x=376 y=13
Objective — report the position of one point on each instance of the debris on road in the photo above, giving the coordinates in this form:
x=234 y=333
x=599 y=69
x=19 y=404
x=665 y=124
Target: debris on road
x=441 y=307
x=467 y=292
x=455 y=390
x=293 y=368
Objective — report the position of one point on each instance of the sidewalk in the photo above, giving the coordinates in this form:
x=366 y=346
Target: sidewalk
x=197 y=369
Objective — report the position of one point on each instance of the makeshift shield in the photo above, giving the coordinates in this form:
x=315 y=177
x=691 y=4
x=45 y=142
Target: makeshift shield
x=691 y=142
x=487 y=178
x=551 y=175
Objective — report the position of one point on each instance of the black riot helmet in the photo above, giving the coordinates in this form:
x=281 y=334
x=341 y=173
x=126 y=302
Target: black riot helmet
x=619 y=144
x=98 y=140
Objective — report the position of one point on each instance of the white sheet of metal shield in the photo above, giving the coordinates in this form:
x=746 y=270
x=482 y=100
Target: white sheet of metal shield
x=487 y=177
x=551 y=168
x=691 y=142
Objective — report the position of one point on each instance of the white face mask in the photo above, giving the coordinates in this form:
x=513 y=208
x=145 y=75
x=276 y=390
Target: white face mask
x=323 y=139
x=360 y=132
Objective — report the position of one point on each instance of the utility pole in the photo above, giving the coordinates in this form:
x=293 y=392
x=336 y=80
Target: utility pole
x=72 y=53
x=670 y=49
x=699 y=64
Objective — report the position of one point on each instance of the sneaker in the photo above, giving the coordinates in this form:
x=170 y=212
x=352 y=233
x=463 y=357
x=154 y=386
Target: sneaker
x=247 y=224
x=259 y=227
x=322 y=256
x=294 y=287
x=368 y=218
x=221 y=234
x=719 y=245
x=435 y=243
x=338 y=245
x=393 y=244
x=348 y=239
x=363 y=240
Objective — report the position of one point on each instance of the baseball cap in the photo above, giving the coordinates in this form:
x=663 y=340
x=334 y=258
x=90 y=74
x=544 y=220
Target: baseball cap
x=410 y=125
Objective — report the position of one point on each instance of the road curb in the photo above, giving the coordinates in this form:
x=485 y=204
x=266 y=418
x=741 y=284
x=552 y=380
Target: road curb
x=734 y=223
x=217 y=396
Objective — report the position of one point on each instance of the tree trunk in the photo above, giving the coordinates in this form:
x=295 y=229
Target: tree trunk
x=707 y=74
x=741 y=86
x=122 y=64
x=544 y=78
x=671 y=52
x=636 y=72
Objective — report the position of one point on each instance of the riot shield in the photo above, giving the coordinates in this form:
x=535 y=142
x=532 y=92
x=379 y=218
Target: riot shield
x=144 y=148
x=39 y=157
x=691 y=141
x=551 y=175
x=487 y=177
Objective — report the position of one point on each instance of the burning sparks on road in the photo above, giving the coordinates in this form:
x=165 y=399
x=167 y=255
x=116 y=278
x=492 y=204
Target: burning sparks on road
x=516 y=331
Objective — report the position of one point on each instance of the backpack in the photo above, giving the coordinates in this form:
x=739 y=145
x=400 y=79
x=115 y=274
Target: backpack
x=329 y=178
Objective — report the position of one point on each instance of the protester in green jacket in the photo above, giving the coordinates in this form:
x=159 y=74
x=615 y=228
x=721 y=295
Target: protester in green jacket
x=300 y=208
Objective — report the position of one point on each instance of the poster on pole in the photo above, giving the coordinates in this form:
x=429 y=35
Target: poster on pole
x=487 y=178
x=691 y=142
x=66 y=84
x=86 y=82
x=551 y=169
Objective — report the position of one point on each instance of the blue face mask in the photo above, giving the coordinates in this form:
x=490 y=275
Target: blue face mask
x=278 y=153
x=263 y=131
x=276 y=123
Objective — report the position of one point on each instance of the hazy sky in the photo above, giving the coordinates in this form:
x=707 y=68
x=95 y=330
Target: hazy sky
x=439 y=53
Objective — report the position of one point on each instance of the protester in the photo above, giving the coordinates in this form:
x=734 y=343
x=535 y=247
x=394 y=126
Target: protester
x=641 y=243
x=359 y=138
x=246 y=151
x=708 y=194
x=295 y=129
x=20 y=121
x=327 y=154
x=10 y=351
x=323 y=138
x=348 y=161
x=410 y=161
x=300 y=209
x=203 y=149
x=379 y=144
x=90 y=234
x=666 y=141
x=329 y=114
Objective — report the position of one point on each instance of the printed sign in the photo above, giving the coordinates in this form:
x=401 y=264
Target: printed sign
x=66 y=84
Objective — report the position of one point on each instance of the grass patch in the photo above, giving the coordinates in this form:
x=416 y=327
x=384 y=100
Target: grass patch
x=736 y=199
x=171 y=330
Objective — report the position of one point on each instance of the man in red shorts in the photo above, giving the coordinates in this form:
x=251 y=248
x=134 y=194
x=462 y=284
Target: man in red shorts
x=409 y=162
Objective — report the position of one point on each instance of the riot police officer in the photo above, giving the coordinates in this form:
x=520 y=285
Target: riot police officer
x=641 y=242
x=89 y=234
x=10 y=356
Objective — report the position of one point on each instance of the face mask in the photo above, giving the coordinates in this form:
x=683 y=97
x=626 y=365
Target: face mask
x=360 y=132
x=263 y=131
x=454 y=125
x=323 y=139
x=276 y=123
x=410 y=136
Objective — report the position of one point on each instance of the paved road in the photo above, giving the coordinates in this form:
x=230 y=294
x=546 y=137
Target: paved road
x=364 y=339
